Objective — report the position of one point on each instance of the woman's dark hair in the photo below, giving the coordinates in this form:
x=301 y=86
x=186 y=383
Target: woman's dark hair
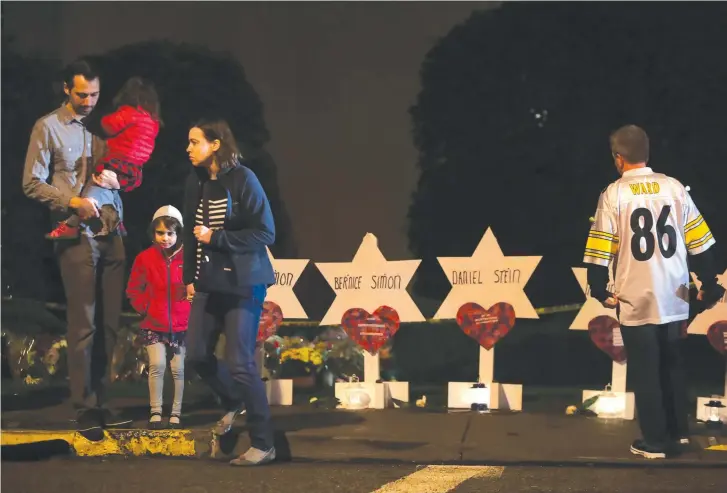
x=138 y=92
x=171 y=224
x=228 y=154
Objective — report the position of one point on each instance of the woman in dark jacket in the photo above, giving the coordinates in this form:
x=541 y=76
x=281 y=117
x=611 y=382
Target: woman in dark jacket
x=227 y=272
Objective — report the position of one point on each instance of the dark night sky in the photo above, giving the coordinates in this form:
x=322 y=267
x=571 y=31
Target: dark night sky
x=336 y=79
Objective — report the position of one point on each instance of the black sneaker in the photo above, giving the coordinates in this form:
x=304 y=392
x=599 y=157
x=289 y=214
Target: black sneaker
x=640 y=447
x=88 y=419
x=111 y=419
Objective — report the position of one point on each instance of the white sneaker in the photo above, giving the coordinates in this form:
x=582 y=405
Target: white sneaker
x=254 y=457
x=224 y=425
x=639 y=447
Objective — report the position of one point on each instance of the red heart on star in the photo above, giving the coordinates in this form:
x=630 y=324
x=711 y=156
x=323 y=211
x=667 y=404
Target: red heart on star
x=601 y=331
x=486 y=327
x=370 y=331
x=270 y=319
x=717 y=336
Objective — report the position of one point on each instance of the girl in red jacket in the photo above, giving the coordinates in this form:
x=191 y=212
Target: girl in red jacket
x=131 y=130
x=157 y=292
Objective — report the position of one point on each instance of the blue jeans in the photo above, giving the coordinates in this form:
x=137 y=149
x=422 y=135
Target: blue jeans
x=108 y=221
x=235 y=379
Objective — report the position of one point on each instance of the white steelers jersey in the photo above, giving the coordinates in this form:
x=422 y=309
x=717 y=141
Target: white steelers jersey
x=646 y=223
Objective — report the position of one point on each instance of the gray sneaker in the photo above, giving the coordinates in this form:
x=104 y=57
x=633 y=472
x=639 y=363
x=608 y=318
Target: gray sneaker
x=224 y=425
x=254 y=457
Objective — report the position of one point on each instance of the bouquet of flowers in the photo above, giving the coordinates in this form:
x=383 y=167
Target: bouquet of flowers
x=290 y=357
x=343 y=356
x=129 y=361
x=295 y=361
x=330 y=357
x=35 y=357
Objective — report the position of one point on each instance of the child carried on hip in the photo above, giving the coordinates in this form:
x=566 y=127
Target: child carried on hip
x=131 y=133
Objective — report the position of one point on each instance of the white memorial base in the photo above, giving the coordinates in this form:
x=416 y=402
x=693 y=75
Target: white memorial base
x=382 y=394
x=280 y=392
x=701 y=401
x=617 y=404
x=621 y=405
x=503 y=396
x=702 y=411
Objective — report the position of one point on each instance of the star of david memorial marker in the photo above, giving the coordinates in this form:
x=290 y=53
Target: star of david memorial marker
x=280 y=303
x=486 y=297
x=371 y=301
x=605 y=332
x=713 y=324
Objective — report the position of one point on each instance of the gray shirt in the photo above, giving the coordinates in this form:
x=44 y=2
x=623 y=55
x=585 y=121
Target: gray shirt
x=54 y=166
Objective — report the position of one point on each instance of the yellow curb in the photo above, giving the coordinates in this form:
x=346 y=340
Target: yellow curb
x=17 y=437
x=172 y=443
x=720 y=448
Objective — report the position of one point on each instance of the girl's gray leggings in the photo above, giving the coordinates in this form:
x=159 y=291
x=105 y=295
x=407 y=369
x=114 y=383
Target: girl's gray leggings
x=157 y=366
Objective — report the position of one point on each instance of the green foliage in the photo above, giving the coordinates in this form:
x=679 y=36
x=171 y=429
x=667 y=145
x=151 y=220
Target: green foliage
x=588 y=403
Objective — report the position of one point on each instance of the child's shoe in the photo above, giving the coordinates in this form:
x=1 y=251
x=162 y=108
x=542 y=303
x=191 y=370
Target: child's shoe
x=63 y=232
x=175 y=422
x=155 y=421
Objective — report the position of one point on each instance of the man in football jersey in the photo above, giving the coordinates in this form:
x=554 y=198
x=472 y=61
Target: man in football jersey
x=646 y=224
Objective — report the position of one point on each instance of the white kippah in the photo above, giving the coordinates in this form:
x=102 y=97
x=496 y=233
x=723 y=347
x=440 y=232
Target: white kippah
x=170 y=211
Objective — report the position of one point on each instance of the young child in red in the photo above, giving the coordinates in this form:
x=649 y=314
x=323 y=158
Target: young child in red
x=157 y=292
x=131 y=130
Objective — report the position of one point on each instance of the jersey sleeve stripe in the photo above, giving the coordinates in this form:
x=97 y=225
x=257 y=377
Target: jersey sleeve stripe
x=696 y=233
x=598 y=254
x=701 y=242
x=605 y=246
x=603 y=234
x=693 y=222
x=590 y=259
x=596 y=234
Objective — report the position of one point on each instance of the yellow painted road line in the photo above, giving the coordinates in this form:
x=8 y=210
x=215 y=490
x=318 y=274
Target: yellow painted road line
x=440 y=479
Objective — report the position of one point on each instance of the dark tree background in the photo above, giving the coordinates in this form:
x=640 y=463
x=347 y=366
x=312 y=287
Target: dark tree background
x=513 y=119
x=27 y=94
x=192 y=83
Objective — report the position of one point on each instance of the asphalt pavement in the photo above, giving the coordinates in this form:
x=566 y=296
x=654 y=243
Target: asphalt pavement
x=131 y=475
